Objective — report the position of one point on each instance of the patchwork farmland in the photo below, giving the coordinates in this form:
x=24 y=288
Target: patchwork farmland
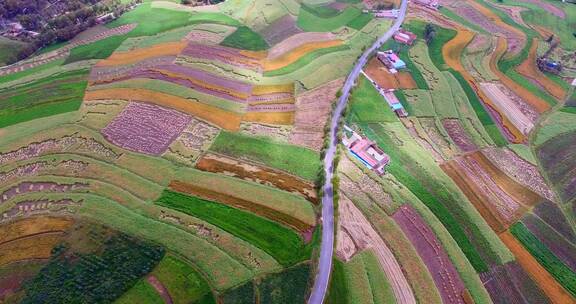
x=174 y=154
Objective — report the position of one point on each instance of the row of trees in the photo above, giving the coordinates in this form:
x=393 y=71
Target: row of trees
x=58 y=21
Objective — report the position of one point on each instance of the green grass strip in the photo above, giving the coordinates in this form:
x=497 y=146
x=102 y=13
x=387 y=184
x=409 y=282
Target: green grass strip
x=562 y=273
x=361 y=21
x=316 y=20
x=367 y=105
x=305 y=60
x=294 y=159
x=280 y=242
x=246 y=39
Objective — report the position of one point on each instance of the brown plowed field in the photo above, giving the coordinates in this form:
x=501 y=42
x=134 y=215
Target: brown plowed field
x=38 y=246
x=379 y=73
x=224 y=119
x=529 y=70
x=545 y=281
x=164 y=49
x=297 y=53
x=475 y=195
x=240 y=203
x=256 y=173
x=536 y=102
x=498 y=198
x=31 y=226
x=274 y=118
x=510 y=186
x=452 y=52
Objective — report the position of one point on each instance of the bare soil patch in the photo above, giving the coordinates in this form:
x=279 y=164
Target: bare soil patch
x=379 y=73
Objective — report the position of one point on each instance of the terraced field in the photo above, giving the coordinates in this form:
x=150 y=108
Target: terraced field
x=188 y=131
x=175 y=157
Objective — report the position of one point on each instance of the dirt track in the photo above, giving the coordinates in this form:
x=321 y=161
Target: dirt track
x=361 y=232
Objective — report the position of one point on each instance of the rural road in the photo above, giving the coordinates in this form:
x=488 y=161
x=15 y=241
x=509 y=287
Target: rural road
x=326 y=248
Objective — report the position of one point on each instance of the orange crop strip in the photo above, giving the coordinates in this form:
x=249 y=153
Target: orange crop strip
x=529 y=70
x=452 y=52
x=543 y=279
x=224 y=119
x=275 y=118
x=536 y=102
x=129 y=57
x=297 y=53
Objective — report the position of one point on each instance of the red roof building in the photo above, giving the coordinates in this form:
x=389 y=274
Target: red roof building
x=369 y=153
x=405 y=37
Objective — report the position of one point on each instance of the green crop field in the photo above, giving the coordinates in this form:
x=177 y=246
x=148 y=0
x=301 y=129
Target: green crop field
x=367 y=105
x=306 y=60
x=41 y=98
x=280 y=242
x=564 y=275
x=246 y=39
x=143 y=293
x=360 y=280
x=296 y=160
x=182 y=282
x=316 y=20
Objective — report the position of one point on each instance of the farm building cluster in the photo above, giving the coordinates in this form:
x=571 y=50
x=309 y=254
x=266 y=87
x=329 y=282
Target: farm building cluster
x=366 y=151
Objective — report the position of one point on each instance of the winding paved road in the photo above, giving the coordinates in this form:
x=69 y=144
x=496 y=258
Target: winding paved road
x=327 y=246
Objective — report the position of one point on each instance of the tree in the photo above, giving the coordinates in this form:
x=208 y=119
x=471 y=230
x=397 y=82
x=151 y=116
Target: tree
x=429 y=33
x=550 y=39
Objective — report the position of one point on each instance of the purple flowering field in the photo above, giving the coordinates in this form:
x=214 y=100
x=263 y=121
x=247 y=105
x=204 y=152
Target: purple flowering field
x=146 y=128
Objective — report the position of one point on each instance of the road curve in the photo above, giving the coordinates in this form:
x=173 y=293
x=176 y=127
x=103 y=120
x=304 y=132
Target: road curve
x=326 y=248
